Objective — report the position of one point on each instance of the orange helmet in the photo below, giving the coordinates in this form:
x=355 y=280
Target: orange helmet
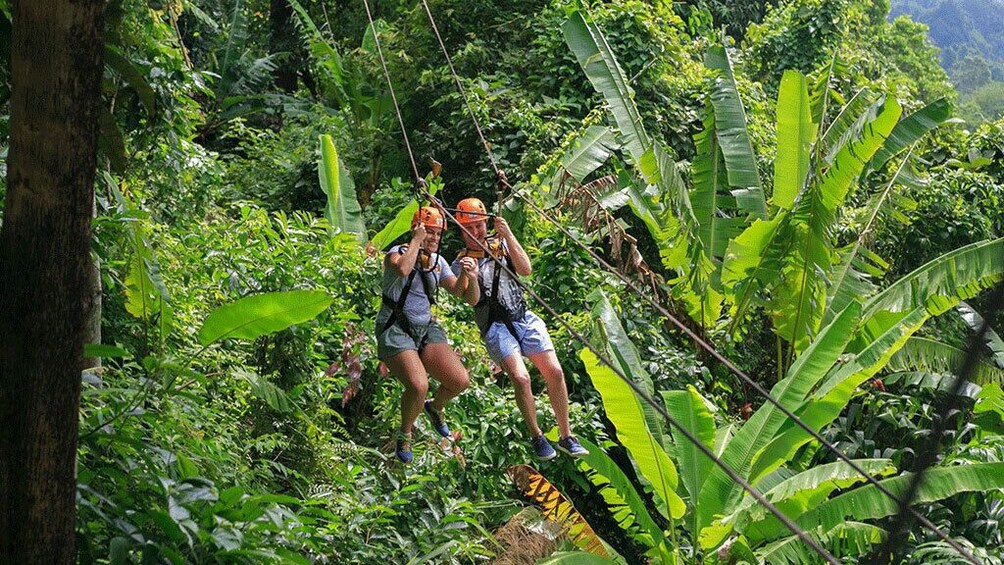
x=470 y=210
x=428 y=217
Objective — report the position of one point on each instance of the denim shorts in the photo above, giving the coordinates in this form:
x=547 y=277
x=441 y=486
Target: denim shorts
x=532 y=333
x=394 y=339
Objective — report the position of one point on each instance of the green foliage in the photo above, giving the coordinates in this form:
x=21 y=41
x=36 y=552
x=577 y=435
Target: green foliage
x=797 y=35
x=275 y=448
x=254 y=316
x=343 y=211
x=986 y=103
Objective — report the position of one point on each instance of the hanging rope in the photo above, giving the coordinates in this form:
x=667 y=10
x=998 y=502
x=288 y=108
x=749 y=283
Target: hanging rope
x=460 y=87
x=419 y=181
x=501 y=178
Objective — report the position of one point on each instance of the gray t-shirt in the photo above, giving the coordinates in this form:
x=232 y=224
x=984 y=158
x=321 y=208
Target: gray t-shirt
x=416 y=304
x=510 y=294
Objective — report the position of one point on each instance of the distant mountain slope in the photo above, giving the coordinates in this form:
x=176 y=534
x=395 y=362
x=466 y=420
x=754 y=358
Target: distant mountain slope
x=959 y=27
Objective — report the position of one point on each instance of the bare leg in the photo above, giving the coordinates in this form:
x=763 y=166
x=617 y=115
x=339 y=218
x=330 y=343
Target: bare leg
x=408 y=368
x=549 y=367
x=444 y=365
x=520 y=377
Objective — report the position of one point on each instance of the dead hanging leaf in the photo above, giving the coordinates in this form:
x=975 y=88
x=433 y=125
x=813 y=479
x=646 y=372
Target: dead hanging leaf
x=616 y=241
x=556 y=507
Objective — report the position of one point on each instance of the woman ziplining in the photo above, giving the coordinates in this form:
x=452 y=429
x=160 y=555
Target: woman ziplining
x=409 y=340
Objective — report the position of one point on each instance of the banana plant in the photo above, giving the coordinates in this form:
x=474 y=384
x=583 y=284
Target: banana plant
x=660 y=196
x=734 y=251
x=858 y=342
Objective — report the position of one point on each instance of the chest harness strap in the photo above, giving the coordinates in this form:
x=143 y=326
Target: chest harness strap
x=397 y=315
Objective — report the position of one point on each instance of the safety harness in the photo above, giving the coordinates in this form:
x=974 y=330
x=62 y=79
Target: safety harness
x=397 y=315
x=497 y=311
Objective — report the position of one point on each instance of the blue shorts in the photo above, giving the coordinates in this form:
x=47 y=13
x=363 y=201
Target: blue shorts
x=532 y=333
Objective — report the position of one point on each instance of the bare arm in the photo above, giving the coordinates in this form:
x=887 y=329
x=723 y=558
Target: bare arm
x=403 y=263
x=465 y=285
x=520 y=260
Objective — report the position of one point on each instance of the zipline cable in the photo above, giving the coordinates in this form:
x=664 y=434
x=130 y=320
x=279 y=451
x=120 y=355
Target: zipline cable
x=419 y=181
x=460 y=87
x=801 y=534
x=501 y=178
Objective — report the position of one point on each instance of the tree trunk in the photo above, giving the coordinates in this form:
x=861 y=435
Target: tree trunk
x=56 y=69
x=92 y=304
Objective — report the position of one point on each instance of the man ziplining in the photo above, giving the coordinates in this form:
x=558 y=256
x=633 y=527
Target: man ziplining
x=509 y=329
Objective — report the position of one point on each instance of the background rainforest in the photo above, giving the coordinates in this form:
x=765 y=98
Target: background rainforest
x=801 y=191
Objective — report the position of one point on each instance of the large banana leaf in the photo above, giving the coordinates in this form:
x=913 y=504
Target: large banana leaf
x=587 y=153
x=798 y=302
x=795 y=134
x=848 y=281
x=868 y=503
x=623 y=352
x=861 y=141
x=254 y=316
x=623 y=501
x=852 y=277
x=694 y=413
x=146 y=295
x=834 y=136
x=911 y=129
x=719 y=494
x=805 y=490
x=667 y=211
x=709 y=183
x=597 y=60
x=849 y=539
x=237 y=42
x=343 y=211
x=939 y=284
x=730 y=118
x=921 y=353
x=886 y=329
x=328 y=60
x=748 y=267
x=830 y=398
x=624 y=409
